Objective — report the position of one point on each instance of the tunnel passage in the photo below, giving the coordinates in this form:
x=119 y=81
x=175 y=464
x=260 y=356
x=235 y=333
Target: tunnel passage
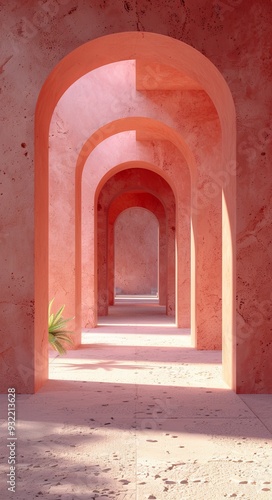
x=134 y=181
x=188 y=65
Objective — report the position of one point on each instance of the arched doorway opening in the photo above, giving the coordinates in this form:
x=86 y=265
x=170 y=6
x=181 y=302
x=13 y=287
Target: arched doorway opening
x=140 y=183
x=149 y=48
x=151 y=203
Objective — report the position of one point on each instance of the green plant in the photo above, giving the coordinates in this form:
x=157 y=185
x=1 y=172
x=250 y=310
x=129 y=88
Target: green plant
x=57 y=332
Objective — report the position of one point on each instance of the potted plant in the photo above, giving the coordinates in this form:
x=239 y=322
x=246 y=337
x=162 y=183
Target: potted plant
x=58 y=334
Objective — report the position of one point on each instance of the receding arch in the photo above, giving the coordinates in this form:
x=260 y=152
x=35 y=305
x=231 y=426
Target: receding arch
x=146 y=47
x=153 y=204
x=162 y=132
x=134 y=177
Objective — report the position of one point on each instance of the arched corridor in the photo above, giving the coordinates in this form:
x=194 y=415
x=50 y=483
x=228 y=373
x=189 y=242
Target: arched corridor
x=183 y=148
x=134 y=127
x=170 y=79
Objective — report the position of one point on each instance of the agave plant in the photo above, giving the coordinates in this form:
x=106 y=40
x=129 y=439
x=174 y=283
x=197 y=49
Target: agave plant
x=57 y=332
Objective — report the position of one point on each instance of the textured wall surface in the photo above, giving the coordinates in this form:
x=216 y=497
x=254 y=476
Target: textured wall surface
x=136 y=252
x=236 y=37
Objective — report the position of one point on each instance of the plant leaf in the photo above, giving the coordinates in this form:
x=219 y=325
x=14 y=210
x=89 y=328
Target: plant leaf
x=57 y=333
x=57 y=316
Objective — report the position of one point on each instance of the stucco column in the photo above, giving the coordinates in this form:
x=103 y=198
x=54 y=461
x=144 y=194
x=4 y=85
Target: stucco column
x=62 y=243
x=207 y=274
x=102 y=257
x=171 y=250
x=183 y=266
x=162 y=263
x=110 y=262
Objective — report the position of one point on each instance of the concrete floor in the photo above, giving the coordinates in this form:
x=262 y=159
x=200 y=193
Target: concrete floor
x=136 y=413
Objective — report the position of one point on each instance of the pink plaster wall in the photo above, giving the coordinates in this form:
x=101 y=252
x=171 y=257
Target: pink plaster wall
x=136 y=252
x=236 y=37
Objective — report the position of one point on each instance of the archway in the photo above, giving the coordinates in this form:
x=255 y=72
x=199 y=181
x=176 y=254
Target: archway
x=148 y=47
x=140 y=181
x=153 y=204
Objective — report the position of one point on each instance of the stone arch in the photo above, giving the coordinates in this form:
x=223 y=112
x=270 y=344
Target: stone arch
x=150 y=48
x=127 y=180
x=153 y=204
x=139 y=124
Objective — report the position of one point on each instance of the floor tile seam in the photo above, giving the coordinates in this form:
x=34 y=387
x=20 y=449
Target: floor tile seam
x=136 y=458
x=256 y=415
x=192 y=418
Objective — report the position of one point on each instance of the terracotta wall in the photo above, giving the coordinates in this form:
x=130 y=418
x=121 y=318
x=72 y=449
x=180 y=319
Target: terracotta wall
x=236 y=37
x=136 y=252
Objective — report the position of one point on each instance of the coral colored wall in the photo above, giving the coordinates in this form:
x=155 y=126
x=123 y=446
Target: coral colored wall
x=236 y=37
x=136 y=252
